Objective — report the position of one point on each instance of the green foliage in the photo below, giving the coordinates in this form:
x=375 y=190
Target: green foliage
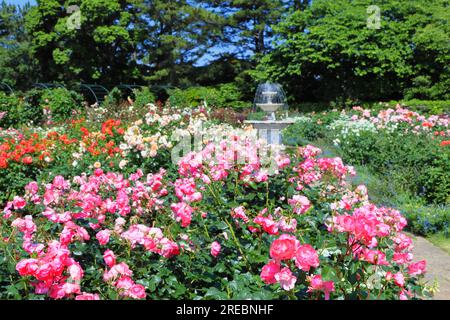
x=17 y=64
x=62 y=103
x=327 y=52
x=21 y=111
x=142 y=97
x=227 y=95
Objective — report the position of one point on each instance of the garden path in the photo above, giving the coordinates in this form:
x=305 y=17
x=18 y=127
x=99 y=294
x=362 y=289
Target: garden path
x=438 y=265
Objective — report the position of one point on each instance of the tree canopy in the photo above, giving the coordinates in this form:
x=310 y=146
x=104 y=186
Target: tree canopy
x=319 y=50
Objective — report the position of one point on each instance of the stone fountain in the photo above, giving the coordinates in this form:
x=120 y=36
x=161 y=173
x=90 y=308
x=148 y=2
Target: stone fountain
x=270 y=98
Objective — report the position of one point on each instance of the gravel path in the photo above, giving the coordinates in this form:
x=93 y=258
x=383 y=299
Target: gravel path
x=438 y=265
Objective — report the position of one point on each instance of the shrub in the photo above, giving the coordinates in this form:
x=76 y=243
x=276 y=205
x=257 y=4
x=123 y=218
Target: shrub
x=142 y=97
x=223 y=96
x=11 y=108
x=62 y=104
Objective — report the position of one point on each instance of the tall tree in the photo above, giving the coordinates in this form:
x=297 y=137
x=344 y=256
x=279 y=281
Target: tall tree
x=248 y=23
x=173 y=35
x=330 y=51
x=90 y=42
x=17 y=66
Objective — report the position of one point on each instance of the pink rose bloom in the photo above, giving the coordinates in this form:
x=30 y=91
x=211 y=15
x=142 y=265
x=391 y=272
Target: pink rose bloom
x=269 y=271
x=169 y=248
x=389 y=276
x=27 y=267
x=300 y=204
x=402 y=258
x=317 y=284
x=261 y=176
x=137 y=291
x=288 y=225
x=60 y=183
x=103 y=237
x=71 y=288
x=417 y=268
x=215 y=248
x=399 y=279
x=404 y=294
x=19 y=203
x=282 y=161
x=306 y=257
x=124 y=283
x=110 y=258
x=239 y=213
x=283 y=248
x=32 y=187
x=87 y=296
x=374 y=256
x=76 y=272
x=116 y=270
x=44 y=272
x=286 y=279
x=267 y=223
x=183 y=213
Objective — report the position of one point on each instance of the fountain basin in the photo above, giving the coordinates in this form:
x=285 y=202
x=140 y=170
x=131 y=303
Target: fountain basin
x=270 y=130
x=270 y=107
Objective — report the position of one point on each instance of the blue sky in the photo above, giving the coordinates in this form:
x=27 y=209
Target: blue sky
x=20 y=2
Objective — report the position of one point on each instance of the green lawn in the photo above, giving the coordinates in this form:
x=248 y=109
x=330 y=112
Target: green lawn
x=441 y=241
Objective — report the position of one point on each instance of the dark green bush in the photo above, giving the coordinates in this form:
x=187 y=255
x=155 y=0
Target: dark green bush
x=223 y=96
x=142 y=97
x=62 y=103
x=11 y=107
x=21 y=111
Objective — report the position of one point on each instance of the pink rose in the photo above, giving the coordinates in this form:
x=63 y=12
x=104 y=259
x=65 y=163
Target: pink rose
x=137 y=292
x=215 y=248
x=286 y=279
x=110 y=258
x=283 y=248
x=27 y=267
x=399 y=279
x=306 y=257
x=317 y=284
x=71 y=288
x=32 y=187
x=417 y=268
x=269 y=271
x=124 y=283
x=169 y=248
x=76 y=272
x=300 y=204
x=19 y=203
x=87 y=296
x=103 y=237
x=44 y=272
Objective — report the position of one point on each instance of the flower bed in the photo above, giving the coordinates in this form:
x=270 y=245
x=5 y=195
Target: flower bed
x=407 y=151
x=227 y=223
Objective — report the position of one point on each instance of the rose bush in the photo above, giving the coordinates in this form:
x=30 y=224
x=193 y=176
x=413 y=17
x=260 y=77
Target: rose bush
x=231 y=223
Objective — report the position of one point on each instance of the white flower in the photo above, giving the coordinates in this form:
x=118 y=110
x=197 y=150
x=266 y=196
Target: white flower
x=122 y=164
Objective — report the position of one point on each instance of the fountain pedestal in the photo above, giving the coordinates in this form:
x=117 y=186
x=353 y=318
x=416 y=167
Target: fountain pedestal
x=270 y=130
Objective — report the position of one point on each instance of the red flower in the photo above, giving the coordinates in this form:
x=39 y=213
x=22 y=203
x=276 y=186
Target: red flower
x=445 y=143
x=27 y=160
